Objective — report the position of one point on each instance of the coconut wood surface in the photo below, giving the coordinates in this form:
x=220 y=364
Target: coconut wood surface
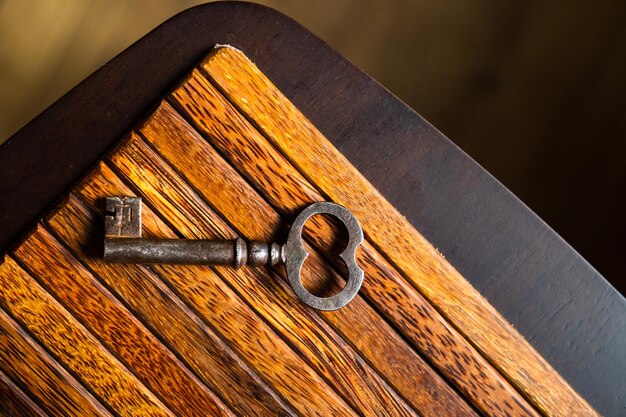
x=225 y=155
x=551 y=295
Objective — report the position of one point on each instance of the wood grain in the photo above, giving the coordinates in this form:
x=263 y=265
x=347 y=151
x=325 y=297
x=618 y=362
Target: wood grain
x=122 y=333
x=573 y=317
x=163 y=189
x=307 y=149
x=27 y=362
x=328 y=354
x=247 y=333
x=14 y=402
x=72 y=344
x=239 y=160
x=283 y=186
x=168 y=132
x=193 y=340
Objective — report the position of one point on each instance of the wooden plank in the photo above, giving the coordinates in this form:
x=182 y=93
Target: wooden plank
x=14 y=402
x=26 y=362
x=168 y=317
x=73 y=345
x=164 y=190
x=328 y=354
x=283 y=124
x=366 y=330
x=218 y=304
x=109 y=320
x=285 y=187
x=353 y=369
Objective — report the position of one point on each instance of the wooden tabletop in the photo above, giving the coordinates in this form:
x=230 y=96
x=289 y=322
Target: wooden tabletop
x=552 y=296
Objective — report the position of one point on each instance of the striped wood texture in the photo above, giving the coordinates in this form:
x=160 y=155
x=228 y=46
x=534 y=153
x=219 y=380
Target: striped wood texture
x=225 y=154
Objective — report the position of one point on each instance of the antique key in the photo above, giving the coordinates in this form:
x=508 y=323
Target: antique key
x=123 y=244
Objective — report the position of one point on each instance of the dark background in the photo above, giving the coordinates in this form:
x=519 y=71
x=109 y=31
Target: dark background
x=535 y=91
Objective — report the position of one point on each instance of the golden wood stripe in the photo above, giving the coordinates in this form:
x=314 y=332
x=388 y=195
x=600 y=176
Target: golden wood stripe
x=27 y=362
x=328 y=354
x=72 y=344
x=14 y=402
x=288 y=190
x=174 y=322
x=313 y=154
x=166 y=192
x=300 y=353
x=217 y=304
x=116 y=327
x=357 y=321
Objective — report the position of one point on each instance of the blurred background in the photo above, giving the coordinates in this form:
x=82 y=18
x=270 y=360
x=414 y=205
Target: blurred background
x=535 y=91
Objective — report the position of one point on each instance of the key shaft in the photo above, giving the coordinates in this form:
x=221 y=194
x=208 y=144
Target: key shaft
x=235 y=252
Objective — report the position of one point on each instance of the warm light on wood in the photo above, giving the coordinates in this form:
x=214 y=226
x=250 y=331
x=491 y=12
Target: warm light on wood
x=226 y=155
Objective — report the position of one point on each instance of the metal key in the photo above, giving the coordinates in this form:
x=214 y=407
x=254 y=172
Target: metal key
x=123 y=244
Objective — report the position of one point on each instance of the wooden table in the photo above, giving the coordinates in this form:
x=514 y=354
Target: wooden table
x=558 y=303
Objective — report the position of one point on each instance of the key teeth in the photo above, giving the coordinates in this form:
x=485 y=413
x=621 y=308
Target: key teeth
x=124 y=219
x=111 y=202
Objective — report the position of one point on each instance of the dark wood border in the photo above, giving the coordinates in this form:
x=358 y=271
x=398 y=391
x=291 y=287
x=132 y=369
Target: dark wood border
x=572 y=316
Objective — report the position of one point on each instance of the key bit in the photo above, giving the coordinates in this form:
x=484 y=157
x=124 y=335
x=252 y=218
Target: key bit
x=123 y=244
x=125 y=220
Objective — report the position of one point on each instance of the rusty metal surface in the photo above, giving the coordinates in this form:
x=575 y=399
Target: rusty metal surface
x=123 y=244
x=294 y=255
